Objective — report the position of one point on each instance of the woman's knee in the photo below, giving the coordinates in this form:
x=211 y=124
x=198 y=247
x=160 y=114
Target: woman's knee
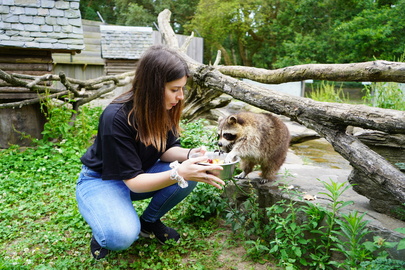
x=121 y=239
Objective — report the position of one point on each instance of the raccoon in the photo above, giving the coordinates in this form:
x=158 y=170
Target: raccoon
x=257 y=138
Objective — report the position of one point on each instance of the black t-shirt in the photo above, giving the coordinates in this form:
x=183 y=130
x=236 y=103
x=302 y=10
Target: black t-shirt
x=115 y=153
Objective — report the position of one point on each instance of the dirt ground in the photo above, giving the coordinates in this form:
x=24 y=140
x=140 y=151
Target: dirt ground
x=233 y=257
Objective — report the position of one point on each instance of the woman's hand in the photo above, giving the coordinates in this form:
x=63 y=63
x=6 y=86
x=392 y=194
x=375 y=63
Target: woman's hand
x=190 y=170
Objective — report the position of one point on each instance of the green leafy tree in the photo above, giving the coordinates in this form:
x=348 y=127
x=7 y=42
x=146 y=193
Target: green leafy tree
x=239 y=29
x=377 y=32
x=140 y=12
x=145 y=12
x=275 y=34
x=89 y=9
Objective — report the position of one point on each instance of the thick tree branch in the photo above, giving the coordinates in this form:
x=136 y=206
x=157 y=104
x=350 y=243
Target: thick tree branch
x=330 y=120
x=166 y=30
x=375 y=71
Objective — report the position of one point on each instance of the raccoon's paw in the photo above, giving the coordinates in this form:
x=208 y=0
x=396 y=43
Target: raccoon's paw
x=263 y=181
x=241 y=175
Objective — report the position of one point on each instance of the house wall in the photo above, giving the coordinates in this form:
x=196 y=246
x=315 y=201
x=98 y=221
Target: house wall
x=27 y=120
x=87 y=64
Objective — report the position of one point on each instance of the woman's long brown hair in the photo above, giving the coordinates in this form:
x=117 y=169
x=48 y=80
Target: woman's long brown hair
x=149 y=116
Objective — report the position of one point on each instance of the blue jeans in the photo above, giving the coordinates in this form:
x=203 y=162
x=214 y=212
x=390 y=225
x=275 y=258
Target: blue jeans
x=106 y=205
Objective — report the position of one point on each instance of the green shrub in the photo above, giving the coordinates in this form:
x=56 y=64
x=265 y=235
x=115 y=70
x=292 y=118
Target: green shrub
x=197 y=133
x=205 y=201
x=382 y=264
x=387 y=95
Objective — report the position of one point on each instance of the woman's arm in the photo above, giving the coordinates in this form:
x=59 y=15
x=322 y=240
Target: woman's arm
x=181 y=154
x=147 y=182
x=189 y=170
x=175 y=153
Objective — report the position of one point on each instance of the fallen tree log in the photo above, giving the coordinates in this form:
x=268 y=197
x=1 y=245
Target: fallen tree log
x=374 y=71
x=330 y=120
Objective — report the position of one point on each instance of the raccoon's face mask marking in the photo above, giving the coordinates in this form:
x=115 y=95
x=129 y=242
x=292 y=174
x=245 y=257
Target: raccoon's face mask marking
x=229 y=136
x=226 y=141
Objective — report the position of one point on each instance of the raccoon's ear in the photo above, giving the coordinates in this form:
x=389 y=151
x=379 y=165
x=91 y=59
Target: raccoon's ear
x=235 y=119
x=220 y=118
x=232 y=119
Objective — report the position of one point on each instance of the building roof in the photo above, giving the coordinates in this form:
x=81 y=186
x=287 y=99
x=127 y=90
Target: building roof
x=125 y=42
x=41 y=24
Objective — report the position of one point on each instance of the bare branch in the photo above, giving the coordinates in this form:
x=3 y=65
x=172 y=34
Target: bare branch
x=13 y=80
x=301 y=109
x=95 y=87
x=166 y=30
x=375 y=71
x=38 y=79
x=217 y=59
x=97 y=94
x=19 y=104
x=67 y=84
x=186 y=43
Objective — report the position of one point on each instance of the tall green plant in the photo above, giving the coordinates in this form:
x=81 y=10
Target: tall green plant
x=59 y=127
x=57 y=116
x=196 y=134
x=353 y=229
x=386 y=95
x=327 y=92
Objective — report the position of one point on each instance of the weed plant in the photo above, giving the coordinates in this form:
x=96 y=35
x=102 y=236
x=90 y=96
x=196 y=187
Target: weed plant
x=386 y=95
x=327 y=92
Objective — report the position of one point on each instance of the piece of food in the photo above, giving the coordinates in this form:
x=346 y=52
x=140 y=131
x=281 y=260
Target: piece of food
x=218 y=161
x=215 y=161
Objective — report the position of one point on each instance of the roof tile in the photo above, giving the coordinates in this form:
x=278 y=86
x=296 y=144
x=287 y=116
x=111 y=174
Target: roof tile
x=44 y=24
x=124 y=42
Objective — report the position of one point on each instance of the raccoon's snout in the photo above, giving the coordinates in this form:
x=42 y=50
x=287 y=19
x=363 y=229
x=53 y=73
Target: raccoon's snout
x=225 y=147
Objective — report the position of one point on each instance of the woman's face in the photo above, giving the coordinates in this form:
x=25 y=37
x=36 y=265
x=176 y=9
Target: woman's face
x=174 y=92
